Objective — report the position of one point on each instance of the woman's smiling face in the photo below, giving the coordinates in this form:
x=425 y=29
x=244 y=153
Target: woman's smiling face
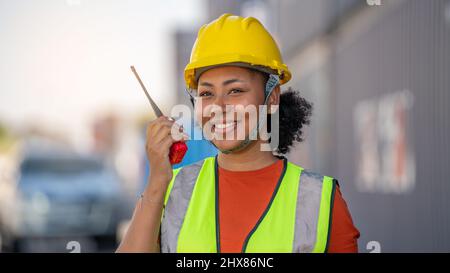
x=225 y=95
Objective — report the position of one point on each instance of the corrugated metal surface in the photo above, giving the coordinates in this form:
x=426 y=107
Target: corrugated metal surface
x=406 y=48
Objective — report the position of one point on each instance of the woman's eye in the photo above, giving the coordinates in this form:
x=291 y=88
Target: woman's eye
x=235 y=91
x=205 y=94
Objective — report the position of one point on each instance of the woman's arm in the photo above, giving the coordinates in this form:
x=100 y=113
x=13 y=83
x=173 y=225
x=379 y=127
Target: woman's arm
x=142 y=234
x=344 y=235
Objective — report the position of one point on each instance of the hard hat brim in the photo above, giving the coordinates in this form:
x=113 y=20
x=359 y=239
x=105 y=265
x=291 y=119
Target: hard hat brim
x=234 y=60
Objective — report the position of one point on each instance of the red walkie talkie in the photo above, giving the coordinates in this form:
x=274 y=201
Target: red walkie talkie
x=179 y=148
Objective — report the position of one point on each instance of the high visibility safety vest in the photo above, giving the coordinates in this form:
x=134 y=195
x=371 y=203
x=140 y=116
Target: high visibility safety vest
x=297 y=218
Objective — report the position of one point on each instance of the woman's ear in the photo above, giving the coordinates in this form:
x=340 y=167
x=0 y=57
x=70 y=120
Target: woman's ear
x=274 y=98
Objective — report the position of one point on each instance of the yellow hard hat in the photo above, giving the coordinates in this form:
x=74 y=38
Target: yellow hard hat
x=235 y=40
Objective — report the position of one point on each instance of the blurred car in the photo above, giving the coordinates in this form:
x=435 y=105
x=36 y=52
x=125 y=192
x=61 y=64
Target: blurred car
x=58 y=195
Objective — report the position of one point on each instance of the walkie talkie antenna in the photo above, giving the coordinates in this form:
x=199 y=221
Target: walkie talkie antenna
x=155 y=107
x=177 y=149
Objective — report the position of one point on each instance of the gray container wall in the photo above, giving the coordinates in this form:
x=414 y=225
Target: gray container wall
x=407 y=48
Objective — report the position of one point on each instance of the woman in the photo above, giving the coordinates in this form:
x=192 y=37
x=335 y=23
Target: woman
x=247 y=199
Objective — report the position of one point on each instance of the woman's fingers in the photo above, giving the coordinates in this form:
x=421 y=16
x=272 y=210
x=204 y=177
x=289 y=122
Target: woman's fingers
x=167 y=142
x=169 y=132
x=154 y=126
x=162 y=127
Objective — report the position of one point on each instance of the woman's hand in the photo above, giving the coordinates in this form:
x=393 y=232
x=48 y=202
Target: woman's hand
x=161 y=134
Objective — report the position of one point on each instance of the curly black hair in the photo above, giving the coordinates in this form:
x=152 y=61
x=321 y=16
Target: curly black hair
x=295 y=112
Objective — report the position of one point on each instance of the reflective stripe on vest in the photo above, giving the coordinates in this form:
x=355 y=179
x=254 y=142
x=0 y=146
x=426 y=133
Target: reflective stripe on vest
x=297 y=218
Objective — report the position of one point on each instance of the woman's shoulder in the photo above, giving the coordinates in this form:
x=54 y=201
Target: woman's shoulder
x=191 y=170
x=311 y=174
x=195 y=164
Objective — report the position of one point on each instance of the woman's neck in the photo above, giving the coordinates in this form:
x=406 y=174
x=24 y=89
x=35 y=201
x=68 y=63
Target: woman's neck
x=251 y=158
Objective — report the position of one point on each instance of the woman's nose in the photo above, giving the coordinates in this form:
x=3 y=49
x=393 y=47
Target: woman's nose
x=220 y=101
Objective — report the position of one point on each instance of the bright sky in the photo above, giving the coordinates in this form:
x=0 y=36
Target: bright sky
x=62 y=61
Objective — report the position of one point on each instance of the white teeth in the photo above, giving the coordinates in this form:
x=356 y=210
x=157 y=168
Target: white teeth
x=223 y=126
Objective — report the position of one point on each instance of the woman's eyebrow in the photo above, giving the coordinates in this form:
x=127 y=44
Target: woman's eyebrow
x=205 y=84
x=230 y=81
x=227 y=82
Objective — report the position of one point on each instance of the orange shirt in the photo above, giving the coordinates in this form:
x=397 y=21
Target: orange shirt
x=244 y=195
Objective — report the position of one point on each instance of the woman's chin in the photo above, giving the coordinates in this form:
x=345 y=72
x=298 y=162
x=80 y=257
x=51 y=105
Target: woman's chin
x=226 y=144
